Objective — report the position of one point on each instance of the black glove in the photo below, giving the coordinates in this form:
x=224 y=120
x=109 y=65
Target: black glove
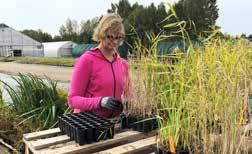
x=111 y=104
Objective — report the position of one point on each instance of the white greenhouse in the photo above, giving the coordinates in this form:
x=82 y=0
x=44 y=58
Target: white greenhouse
x=58 y=49
x=14 y=43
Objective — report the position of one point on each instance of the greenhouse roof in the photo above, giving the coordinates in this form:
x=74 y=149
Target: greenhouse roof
x=2 y=25
x=57 y=45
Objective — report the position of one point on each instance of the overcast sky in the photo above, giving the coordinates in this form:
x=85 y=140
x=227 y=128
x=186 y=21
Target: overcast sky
x=235 y=16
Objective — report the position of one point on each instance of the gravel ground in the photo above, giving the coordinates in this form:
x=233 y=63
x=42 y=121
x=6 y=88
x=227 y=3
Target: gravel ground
x=63 y=74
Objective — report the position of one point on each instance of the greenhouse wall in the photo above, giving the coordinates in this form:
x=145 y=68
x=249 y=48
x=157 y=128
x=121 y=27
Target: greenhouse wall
x=58 y=49
x=12 y=41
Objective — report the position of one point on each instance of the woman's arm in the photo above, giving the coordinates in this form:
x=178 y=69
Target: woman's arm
x=79 y=82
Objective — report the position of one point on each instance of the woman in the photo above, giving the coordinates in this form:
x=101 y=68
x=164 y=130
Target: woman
x=100 y=76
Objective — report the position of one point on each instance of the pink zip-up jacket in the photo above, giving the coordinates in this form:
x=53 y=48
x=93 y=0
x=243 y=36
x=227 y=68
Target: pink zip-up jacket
x=95 y=77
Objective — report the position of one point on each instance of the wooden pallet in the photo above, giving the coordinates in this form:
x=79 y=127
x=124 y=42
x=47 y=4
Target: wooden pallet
x=52 y=141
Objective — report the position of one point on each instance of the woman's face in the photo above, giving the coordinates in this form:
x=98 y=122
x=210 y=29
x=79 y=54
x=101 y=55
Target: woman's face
x=112 y=40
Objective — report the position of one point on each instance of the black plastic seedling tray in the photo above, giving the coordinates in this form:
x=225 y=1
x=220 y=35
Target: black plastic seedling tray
x=138 y=123
x=86 y=127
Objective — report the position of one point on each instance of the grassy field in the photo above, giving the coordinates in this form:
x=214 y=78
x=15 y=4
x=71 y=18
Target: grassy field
x=68 y=62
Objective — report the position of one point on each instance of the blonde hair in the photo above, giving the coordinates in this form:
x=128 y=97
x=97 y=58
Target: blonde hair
x=111 y=22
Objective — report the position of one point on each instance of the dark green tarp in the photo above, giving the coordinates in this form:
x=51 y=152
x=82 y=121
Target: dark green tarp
x=79 y=49
x=167 y=47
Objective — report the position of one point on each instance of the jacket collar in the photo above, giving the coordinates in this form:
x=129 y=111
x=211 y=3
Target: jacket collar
x=97 y=52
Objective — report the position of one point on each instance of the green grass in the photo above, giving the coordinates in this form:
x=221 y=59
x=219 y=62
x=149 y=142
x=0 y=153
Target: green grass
x=68 y=62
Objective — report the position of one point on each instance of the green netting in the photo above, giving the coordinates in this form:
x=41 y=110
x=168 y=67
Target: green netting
x=79 y=49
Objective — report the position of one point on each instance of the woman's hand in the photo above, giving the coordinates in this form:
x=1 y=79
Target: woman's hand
x=111 y=104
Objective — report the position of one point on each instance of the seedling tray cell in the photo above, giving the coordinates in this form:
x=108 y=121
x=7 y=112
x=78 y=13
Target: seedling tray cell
x=139 y=123
x=86 y=127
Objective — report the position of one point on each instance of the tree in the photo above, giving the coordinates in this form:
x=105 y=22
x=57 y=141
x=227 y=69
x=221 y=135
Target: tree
x=77 y=33
x=70 y=31
x=123 y=8
x=87 y=30
x=250 y=37
x=142 y=19
x=38 y=35
x=243 y=35
x=57 y=38
x=200 y=16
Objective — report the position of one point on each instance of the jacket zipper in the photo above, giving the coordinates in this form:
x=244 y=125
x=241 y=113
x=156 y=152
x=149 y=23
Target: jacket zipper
x=114 y=79
x=111 y=63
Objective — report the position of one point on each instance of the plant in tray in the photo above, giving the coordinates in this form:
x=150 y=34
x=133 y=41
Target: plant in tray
x=146 y=81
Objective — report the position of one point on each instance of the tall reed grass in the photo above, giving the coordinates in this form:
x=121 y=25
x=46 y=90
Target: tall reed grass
x=201 y=99
x=36 y=100
x=204 y=94
x=208 y=94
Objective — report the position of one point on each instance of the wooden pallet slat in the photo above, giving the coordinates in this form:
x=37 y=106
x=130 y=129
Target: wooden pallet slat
x=247 y=144
x=43 y=143
x=133 y=147
x=72 y=147
x=52 y=141
x=41 y=134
